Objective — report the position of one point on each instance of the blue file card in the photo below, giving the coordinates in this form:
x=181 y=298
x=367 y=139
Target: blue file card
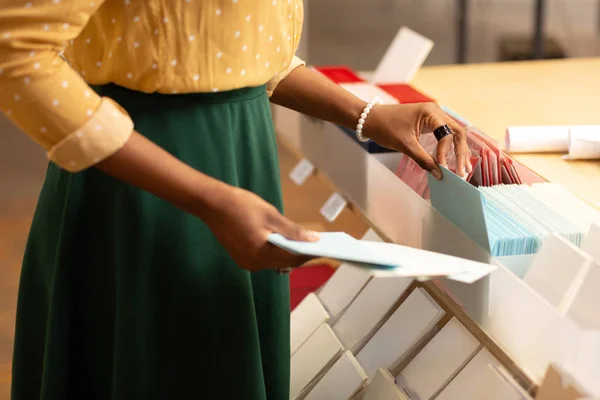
x=550 y=217
x=505 y=219
x=388 y=259
x=462 y=204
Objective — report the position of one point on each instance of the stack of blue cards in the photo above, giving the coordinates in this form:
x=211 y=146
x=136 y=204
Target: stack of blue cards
x=511 y=220
x=517 y=221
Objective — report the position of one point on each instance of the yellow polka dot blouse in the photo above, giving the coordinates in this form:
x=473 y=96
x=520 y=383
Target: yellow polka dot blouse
x=164 y=46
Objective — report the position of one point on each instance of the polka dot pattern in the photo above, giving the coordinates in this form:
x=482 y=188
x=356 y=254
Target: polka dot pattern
x=253 y=43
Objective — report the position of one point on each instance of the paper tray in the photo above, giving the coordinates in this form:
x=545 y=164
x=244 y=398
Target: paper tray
x=501 y=304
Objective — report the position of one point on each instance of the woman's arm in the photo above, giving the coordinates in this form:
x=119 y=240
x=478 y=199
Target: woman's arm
x=51 y=103
x=397 y=127
x=313 y=94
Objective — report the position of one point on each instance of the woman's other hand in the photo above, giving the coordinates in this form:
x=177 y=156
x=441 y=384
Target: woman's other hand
x=399 y=126
x=242 y=222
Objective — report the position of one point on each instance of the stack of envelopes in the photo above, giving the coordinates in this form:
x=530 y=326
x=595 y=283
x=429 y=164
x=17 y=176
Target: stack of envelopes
x=517 y=221
x=512 y=219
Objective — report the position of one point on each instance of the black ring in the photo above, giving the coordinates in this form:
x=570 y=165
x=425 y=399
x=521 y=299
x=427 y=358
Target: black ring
x=442 y=132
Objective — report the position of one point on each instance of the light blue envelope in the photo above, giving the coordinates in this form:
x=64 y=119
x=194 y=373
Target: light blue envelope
x=387 y=259
x=462 y=204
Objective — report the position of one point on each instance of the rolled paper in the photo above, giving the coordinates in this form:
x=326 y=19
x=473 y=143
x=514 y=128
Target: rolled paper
x=584 y=143
x=537 y=139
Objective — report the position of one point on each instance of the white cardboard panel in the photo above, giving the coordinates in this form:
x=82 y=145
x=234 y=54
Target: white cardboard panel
x=586 y=366
x=341 y=382
x=518 y=265
x=403 y=58
x=368 y=184
x=591 y=243
x=440 y=360
x=342 y=288
x=583 y=308
x=345 y=284
x=305 y=319
x=383 y=387
x=368 y=309
x=478 y=381
x=556 y=269
x=316 y=354
x=528 y=328
x=415 y=317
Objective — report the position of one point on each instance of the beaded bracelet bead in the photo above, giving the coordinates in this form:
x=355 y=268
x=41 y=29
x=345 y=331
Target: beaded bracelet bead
x=363 y=118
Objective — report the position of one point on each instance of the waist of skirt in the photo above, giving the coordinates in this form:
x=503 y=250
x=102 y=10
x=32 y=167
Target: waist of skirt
x=119 y=93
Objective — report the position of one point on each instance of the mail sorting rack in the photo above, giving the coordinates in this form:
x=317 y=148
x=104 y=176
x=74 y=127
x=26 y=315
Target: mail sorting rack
x=362 y=336
x=502 y=305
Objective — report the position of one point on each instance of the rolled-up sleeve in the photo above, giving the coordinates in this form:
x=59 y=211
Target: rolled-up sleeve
x=42 y=95
x=272 y=84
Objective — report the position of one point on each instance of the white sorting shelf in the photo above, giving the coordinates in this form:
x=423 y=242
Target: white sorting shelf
x=528 y=328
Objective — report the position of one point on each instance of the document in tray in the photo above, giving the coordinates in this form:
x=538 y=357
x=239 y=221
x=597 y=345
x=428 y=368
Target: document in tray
x=341 y=382
x=316 y=355
x=305 y=319
x=506 y=219
x=407 y=326
x=439 y=361
x=368 y=310
x=480 y=379
x=383 y=387
x=390 y=259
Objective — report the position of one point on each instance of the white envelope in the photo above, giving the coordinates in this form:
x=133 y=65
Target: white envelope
x=583 y=307
x=390 y=259
x=314 y=357
x=305 y=319
x=591 y=243
x=440 y=360
x=415 y=317
x=383 y=387
x=479 y=380
x=556 y=271
x=341 y=382
x=368 y=310
x=403 y=58
x=345 y=284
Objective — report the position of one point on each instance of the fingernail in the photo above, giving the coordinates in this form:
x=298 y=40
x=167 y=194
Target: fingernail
x=444 y=165
x=312 y=235
x=437 y=174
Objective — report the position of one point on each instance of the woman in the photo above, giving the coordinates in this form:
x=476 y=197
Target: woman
x=147 y=273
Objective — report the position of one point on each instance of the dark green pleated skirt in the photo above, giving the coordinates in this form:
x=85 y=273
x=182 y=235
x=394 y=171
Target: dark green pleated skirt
x=123 y=296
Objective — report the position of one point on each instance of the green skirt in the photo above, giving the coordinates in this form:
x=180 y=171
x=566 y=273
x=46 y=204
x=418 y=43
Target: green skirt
x=123 y=296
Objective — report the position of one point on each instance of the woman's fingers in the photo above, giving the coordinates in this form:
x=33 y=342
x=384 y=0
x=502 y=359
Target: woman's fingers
x=415 y=151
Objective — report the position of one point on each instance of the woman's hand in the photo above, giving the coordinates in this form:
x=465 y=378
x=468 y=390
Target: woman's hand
x=242 y=221
x=399 y=126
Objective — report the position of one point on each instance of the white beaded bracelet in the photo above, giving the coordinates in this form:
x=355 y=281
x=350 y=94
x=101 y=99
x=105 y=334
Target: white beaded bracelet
x=363 y=118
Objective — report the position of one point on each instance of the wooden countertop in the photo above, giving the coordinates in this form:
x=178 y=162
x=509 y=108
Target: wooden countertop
x=495 y=96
